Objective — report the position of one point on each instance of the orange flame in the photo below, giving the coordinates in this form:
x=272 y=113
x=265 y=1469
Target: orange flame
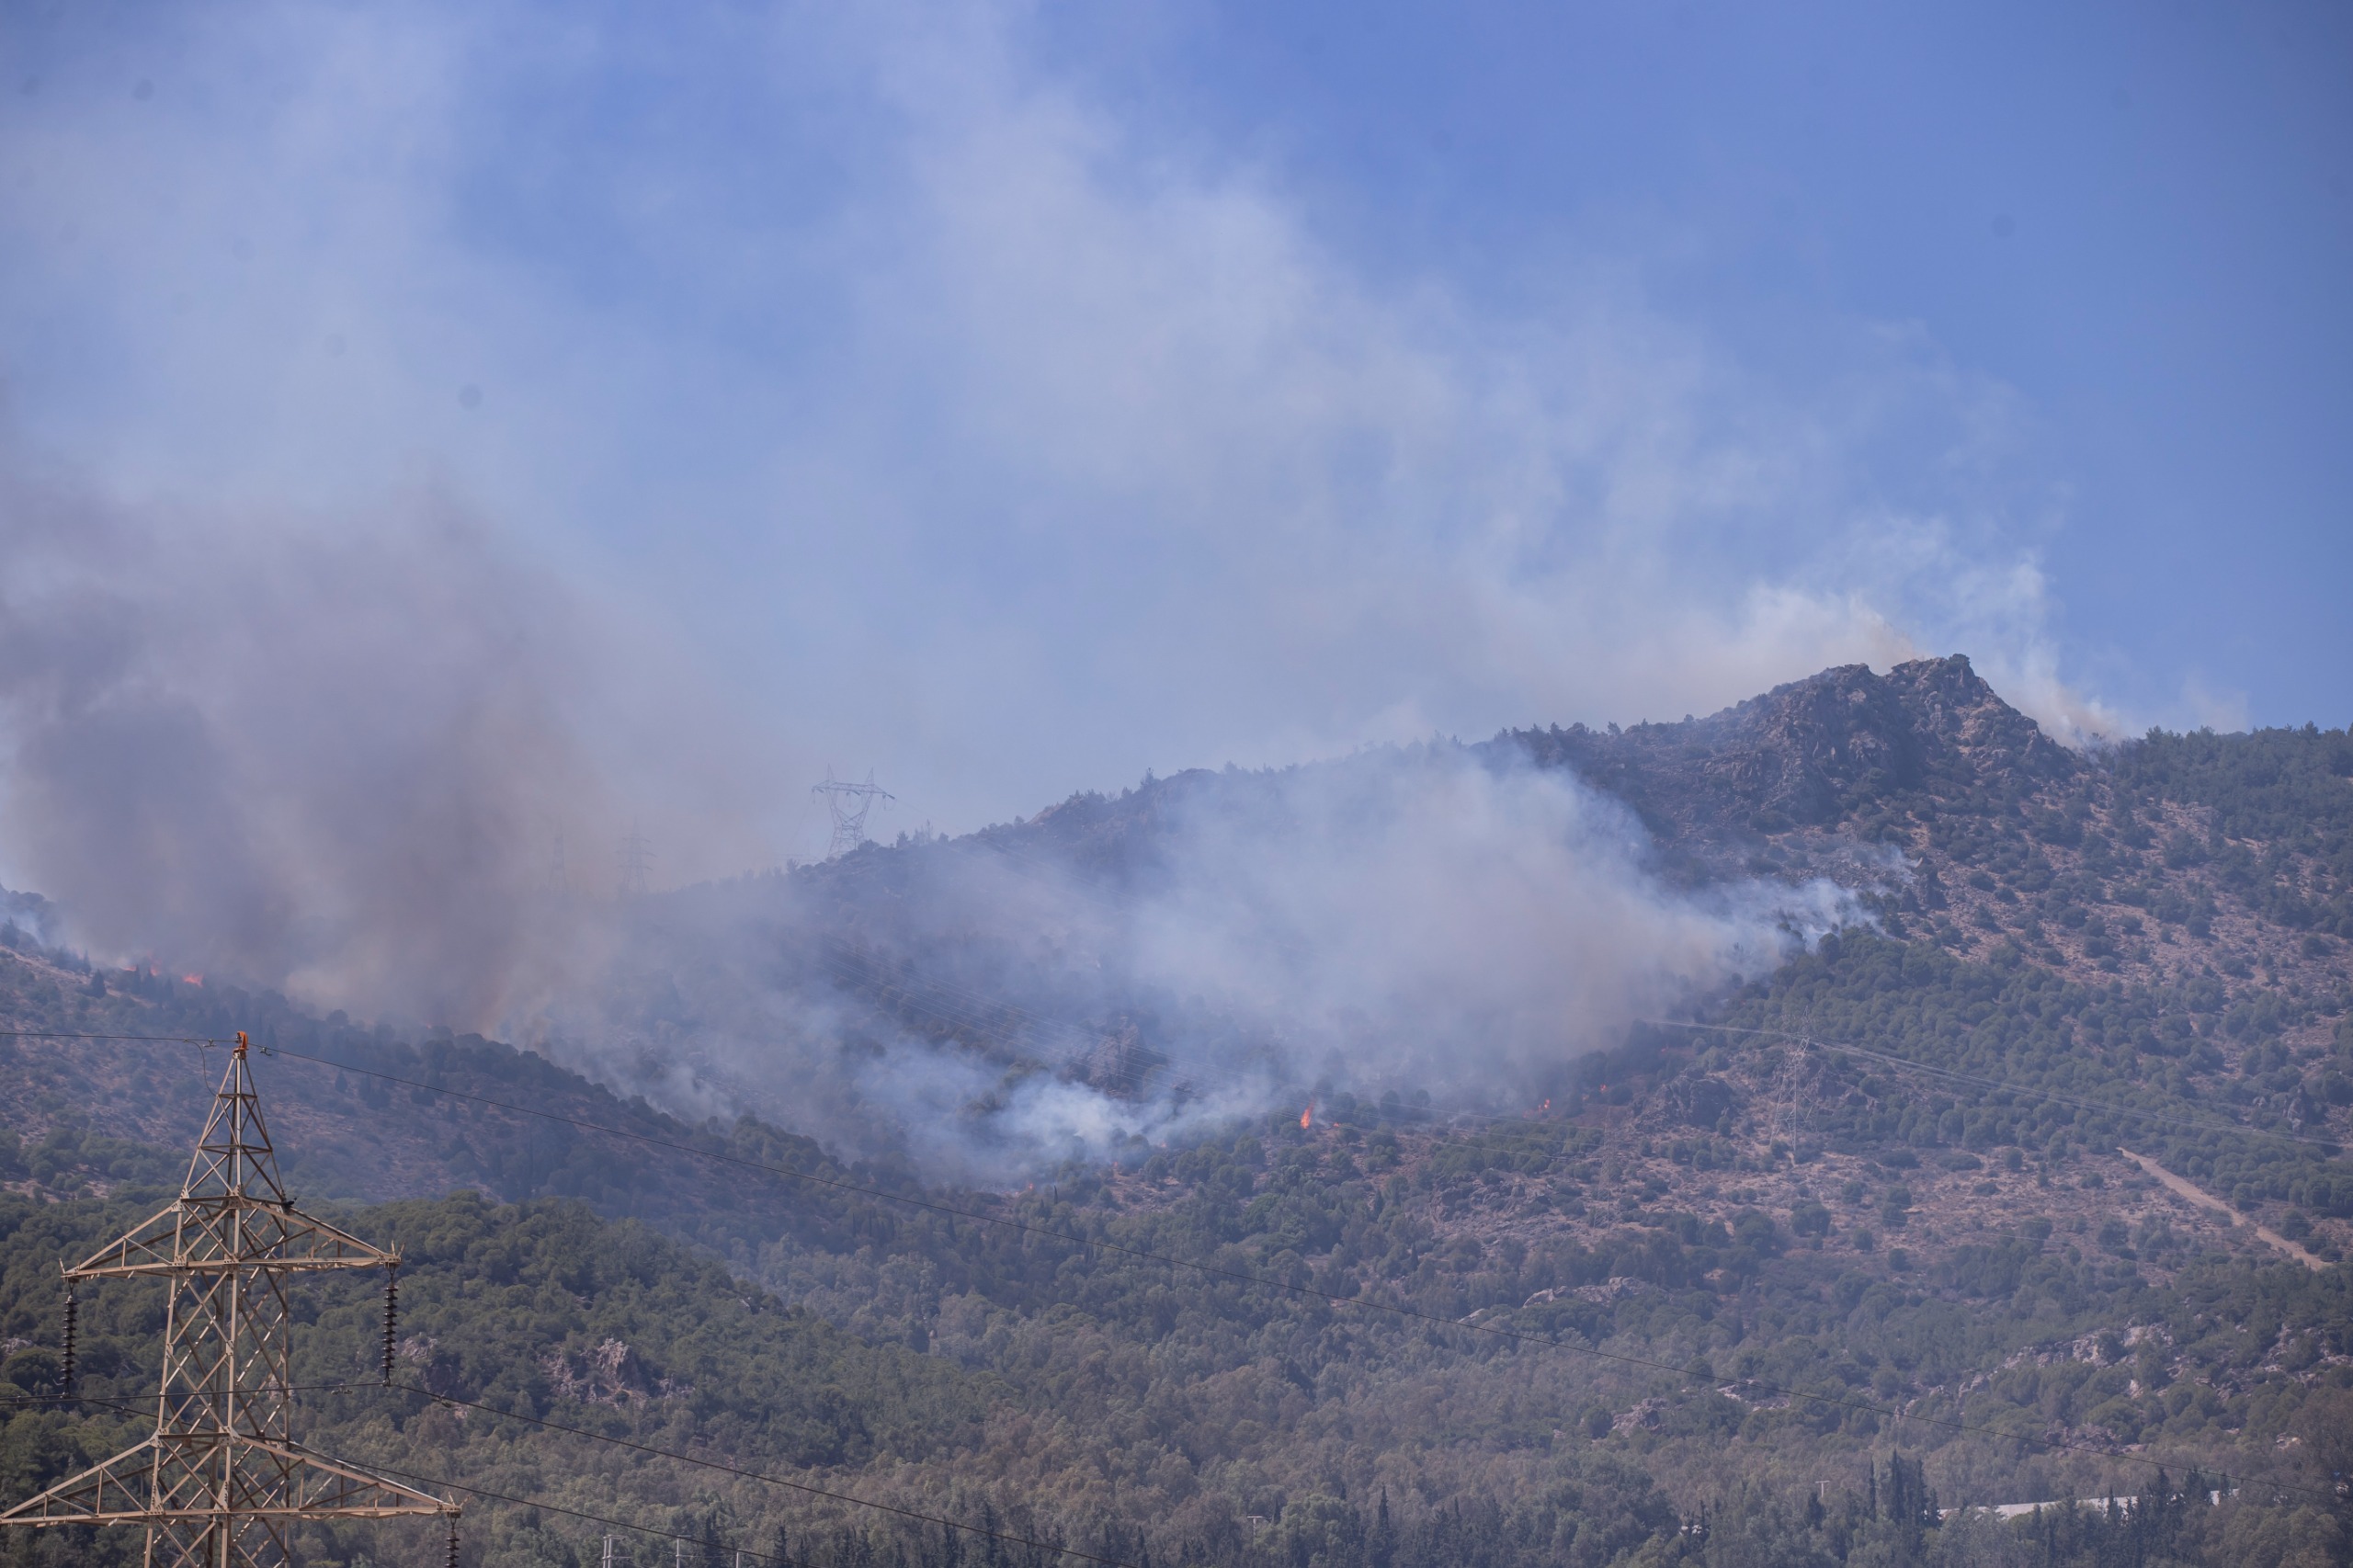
x=1308 y=1115
x=191 y=979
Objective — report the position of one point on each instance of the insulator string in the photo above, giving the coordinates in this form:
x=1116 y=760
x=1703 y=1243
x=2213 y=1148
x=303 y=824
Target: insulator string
x=66 y=1372
x=391 y=1323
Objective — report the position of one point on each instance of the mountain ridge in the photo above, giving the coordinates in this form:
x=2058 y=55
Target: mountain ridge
x=1873 y=1218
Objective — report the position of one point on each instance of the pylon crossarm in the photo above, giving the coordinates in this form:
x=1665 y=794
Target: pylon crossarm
x=295 y=1240
x=331 y=1487
x=267 y=1480
x=120 y=1488
x=215 y=1235
x=219 y=1480
x=150 y=1247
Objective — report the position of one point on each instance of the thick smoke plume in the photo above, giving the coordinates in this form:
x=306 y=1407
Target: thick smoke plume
x=327 y=760
x=1429 y=916
x=1441 y=922
x=339 y=761
x=927 y=412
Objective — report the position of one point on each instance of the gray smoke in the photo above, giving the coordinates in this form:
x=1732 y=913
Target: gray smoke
x=1433 y=920
x=336 y=757
x=322 y=758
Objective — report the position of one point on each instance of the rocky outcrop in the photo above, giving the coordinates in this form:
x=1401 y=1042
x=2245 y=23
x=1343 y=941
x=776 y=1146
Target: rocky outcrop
x=1812 y=752
x=608 y=1373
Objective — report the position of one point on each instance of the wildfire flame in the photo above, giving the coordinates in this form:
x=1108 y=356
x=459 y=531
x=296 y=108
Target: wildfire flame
x=1307 y=1116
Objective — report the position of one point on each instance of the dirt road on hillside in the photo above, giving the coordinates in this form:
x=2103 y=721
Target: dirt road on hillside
x=2205 y=1199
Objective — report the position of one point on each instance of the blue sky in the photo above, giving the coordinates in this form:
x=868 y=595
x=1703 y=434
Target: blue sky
x=1012 y=398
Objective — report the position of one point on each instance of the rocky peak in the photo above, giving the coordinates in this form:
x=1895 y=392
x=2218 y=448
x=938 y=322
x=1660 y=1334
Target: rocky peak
x=1807 y=754
x=1812 y=751
x=1963 y=720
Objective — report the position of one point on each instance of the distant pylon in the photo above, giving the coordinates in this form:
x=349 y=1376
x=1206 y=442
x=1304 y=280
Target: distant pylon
x=1790 y=1117
x=221 y=1479
x=636 y=860
x=848 y=802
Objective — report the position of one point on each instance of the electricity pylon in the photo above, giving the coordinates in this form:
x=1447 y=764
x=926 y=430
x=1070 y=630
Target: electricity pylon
x=636 y=857
x=221 y=1478
x=849 y=801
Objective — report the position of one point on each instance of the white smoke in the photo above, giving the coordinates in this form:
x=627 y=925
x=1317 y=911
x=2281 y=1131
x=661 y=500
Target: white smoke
x=1422 y=915
x=1007 y=443
x=968 y=429
x=1428 y=919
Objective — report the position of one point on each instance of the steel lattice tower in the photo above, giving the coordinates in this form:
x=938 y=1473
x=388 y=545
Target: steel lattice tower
x=636 y=858
x=849 y=801
x=223 y=1477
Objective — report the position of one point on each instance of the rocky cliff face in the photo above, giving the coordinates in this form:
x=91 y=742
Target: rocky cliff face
x=1814 y=752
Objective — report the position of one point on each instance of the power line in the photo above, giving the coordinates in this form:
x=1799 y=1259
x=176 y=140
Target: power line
x=1102 y=894
x=146 y=1039
x=477 y=1491
x=1245 y=1277
x=636 y=860
x=15 y=1398
x=2006 y=1086
x=968 y=1010
x=1099 y=893
x=917 y=1515
x=222 y=1478
x=862 y=970
x=847 y=801
x=582 y=1514
x=966 y=1013
x=611 y=1523
x=219 y=1477
x=765 y=1477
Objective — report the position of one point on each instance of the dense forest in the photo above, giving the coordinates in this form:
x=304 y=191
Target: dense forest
x=1888 y=1237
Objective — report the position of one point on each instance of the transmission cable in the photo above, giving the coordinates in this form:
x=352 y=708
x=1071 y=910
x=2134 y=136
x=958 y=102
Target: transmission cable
x=504 y=1497
x=2004 y=1085
x=556 y=1508
x=604 y=1520
x=764 y=1477
x=917 y=1514
x=968 y=1011
x=144 y=1038
x=1246 y=1277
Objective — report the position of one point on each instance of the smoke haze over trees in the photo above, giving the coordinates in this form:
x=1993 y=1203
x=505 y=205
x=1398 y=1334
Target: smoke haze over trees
x=1577 y=870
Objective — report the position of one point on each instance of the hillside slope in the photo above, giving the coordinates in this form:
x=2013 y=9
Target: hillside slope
x=1881 y=1201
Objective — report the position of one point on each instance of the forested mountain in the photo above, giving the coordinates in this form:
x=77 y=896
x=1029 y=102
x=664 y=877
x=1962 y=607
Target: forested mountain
x=2025 y=1184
